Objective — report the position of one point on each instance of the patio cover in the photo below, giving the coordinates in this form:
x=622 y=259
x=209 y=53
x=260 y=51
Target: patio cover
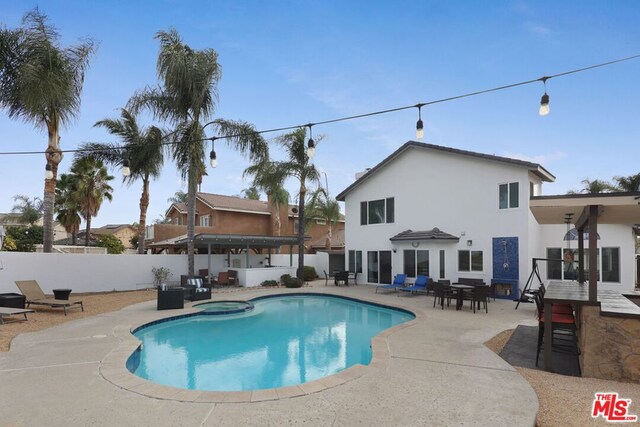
x=587 y=211
x=238 y=241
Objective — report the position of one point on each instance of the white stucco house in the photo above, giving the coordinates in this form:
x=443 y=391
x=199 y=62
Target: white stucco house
x=450 y=214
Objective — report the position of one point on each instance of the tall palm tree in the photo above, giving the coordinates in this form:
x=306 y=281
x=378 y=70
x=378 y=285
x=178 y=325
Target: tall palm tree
x=186 y=97
x=91 y=188
x=322 y=206
x=251 y=193
x=28 y=210
x=265 y=179
x=296 y=166
x=41 y=83
x=178 y=197
x=593 y=187
x=67 y=206
x=628 y=183
x=143 y=150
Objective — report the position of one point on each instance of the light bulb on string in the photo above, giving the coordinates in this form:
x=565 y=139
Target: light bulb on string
x=126 y=170
x=311 y=146
x=48 y=172
x=419 y=124
x=544 y=101
x=213 y=160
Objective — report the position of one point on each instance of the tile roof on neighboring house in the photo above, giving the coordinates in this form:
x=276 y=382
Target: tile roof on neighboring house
x=434 y=234
x=233 y=203
x=535 y=168
x=68 y=241
x=110 y=228
x=337 y=240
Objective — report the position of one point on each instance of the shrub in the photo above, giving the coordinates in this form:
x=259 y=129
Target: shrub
x=112 y=243
x=160 y=275
x=293 y=282
x=309 y=273
x=270 y=283
x=284 y=278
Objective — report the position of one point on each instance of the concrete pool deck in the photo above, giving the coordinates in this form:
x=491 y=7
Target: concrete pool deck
x=434 y=370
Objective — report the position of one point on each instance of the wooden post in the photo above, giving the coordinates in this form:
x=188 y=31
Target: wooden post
x=593 y=253
x=581 y=255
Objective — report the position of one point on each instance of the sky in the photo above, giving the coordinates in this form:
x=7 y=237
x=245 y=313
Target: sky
x=286 y=63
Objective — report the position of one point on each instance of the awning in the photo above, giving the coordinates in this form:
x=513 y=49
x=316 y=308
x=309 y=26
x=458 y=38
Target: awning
x=238 y=241
x=616 y=208
x=433 y=234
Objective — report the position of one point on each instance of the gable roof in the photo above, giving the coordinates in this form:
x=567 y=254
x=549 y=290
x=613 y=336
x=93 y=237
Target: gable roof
x=535 y=168
x=219 y=201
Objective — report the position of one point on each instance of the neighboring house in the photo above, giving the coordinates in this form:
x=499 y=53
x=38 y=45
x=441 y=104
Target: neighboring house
x=219 y=214
x=124 y=232
x=461 y=214
x=11 y=220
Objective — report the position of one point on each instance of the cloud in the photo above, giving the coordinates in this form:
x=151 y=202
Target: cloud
x=541 y=158
x=538 y=29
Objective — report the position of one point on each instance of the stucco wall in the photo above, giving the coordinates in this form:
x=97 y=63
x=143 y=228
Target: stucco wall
x=457 y=194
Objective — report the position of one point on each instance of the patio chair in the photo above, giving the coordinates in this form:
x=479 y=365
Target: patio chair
x=34 y=295
x=420 y=285
x=326 y=277
x=223 y=278
x=341 y=277
x=398 y=282
x=233 y=278
x=563 y=324
x=196 y=290
x=442 y=292
x=480 y=294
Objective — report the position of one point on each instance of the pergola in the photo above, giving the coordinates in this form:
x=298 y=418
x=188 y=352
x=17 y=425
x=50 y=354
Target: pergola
x=586 y=211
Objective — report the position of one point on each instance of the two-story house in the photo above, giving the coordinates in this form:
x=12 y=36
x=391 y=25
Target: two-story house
x=460 y=214
x=220 y=214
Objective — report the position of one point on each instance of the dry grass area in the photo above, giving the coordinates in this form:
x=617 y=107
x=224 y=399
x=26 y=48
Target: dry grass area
x=566 y=401
x=44 y=317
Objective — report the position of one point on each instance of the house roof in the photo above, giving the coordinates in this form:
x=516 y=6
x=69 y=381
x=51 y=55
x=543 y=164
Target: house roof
x=219 y=201
x=433 y=234
x=80 y=240
x=110 y=228
x=535 y=168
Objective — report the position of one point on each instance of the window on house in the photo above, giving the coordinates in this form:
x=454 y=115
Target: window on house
x=355 y=261
x=377 y=211
x=205 y=220
x=295 y=226
x=422 y=263
x=470 y=261
x=531 y=189
x=508 y=195
x=442 y=263
x=554 y=268
x=321 y=222
x=611 y=265
x=372 y=267
x=410 y=263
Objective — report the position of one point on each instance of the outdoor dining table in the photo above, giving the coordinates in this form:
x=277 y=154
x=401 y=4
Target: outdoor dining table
x=460 y=288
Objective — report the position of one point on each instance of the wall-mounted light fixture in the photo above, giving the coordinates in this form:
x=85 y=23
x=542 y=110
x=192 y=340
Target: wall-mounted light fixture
x=469 y=242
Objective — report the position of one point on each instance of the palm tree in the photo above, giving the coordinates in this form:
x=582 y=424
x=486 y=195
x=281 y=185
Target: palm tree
x=143 y=150
x=628 y=183
x=186 y=97
x=266 y=180
x=322 y=206
x=28 y=210
x=251 y=193
x=91 y=188
x=593 y=187
x=295 y=166
x=41 y=83
x=179 y=197
x=67 y=206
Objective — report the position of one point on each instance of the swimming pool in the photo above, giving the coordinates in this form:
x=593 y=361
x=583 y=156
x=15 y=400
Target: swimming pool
x=285 y=340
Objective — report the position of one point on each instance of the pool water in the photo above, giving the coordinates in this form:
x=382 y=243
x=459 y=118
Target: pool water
x=285 y=340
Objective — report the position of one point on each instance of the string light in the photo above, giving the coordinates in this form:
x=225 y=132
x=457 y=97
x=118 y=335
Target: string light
x=213 y=161
x=419 y=124
x=48 y=172
x=126 y=170
x=544 y=103
x=311 y=147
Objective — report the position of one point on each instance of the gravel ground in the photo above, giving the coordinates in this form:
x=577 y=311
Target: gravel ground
x=564 y=401
x=567 y=401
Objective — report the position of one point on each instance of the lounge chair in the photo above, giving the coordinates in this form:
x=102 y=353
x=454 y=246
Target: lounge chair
x=34 y=295
x=398 y=282
x=420 y=285
x=10 y=311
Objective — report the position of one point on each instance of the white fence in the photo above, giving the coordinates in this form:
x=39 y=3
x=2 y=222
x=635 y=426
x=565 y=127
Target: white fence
x=98 y=273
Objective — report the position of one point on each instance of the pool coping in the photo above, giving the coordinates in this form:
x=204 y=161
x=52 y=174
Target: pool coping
x=113 y=366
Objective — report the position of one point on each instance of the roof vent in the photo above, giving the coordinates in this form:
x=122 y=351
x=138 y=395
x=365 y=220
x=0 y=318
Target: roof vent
x=360 y=174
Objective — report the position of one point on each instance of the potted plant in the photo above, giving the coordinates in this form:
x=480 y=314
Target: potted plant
x=160 y=276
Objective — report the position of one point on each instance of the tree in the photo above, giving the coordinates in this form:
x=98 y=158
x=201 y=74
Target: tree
x=186 y=97
x=627 y=183
x=91 y=188
x=179 y=197
x=322 y=206
x=67 y=206
x=296 y=166
x=28 y=210
x=112 y=243
x=265 y=179
x=24 y=239
x=251 y=193
x=594 y=186
x=41 y=83
x=142 y=150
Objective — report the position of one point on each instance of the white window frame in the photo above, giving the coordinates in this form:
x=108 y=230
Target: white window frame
x=208 y=221
x=509 y=207
x=470 y=270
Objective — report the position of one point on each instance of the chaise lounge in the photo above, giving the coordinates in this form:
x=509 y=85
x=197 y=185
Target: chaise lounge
x=34 y=295
x=398 y=282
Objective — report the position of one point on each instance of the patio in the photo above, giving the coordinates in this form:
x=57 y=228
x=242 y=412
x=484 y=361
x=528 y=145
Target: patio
x=436 y=360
